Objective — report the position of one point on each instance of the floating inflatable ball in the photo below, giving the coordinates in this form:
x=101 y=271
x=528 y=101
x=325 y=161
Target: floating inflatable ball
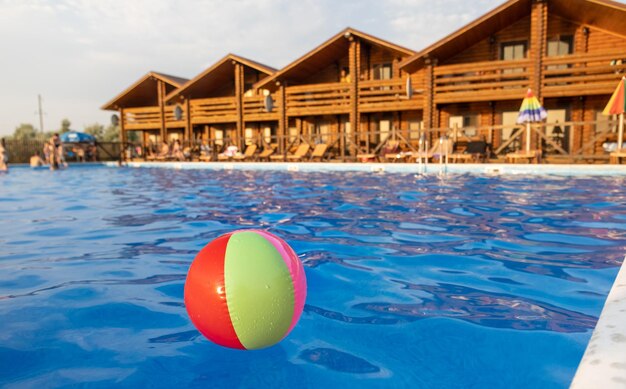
x=245 y=290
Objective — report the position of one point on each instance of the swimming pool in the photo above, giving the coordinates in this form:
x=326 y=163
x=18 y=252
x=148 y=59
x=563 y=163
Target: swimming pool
x=454 y=281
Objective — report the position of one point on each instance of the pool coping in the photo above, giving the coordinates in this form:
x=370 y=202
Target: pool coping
x=604 y=361
x=415 y=168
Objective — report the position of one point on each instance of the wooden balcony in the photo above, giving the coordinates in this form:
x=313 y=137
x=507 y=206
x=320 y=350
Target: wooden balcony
x=319 y=99
x=583 y=74
x=213 y=110
x=482 y=81
x=142 y=118
x=388 y=95
x=254 y=109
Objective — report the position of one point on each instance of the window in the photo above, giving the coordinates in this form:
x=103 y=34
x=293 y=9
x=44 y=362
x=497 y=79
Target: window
x=249 y=136
x=382 y=71
x=560 y=45
x=415 y=129
x=466 y=124
x=513 y=50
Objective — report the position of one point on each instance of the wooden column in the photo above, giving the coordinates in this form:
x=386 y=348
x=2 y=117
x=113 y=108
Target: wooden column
x=429 y=94
x=282 y=117
x=188 y=126
x=538 y=36
x=123 y=134
x=354 y=56
x=239 y=102
x=161 y=100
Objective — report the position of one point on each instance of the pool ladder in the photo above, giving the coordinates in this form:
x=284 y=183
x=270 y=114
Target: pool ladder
x=423 y=153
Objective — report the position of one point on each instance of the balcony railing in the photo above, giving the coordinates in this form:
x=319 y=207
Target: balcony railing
x=482 y=81
x=142 y=118
x=388 y=95
x=318 y=99
x=213 y=110
x=254 y=109
x=582 y=74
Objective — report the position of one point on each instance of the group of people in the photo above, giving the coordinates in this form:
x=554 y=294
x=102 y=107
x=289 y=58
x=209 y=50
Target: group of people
x=175 y=151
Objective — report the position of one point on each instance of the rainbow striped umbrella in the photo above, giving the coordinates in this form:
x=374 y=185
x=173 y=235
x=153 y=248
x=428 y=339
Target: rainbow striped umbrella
x=531 y=111
x=617 y=106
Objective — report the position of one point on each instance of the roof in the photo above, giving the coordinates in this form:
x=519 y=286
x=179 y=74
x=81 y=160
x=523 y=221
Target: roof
x=216 y=75
x=328 y=52
x=143 y=93
x=605 y=14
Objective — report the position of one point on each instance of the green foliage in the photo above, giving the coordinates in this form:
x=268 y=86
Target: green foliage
x=65 y=125
x=25 y=131
x=96 y=129
x=111 y=134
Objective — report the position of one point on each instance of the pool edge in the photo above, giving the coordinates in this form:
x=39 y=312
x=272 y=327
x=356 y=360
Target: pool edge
x=432 y=168
x=604 y=363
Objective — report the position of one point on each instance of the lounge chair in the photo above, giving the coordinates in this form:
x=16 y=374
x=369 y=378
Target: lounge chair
x=248 y=154
x=617 y=155
x=319 y=152
x=476 y=151
x=532 y=156
x=438 y=150
x=266 y=154
x=300 y=153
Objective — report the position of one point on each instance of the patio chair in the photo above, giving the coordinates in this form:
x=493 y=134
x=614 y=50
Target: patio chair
x=248 y=154
x=476 y=151
x=319 y=152
x=438 y=150
x=532 y=156
x=266 y=154
x=300 y=153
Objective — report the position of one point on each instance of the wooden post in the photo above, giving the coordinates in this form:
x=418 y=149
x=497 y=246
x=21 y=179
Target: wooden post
x=282 y=118
x=538 y=35
x=161 y=100
x=239 y=102
x=429 y=94
x=122 y=133
x=188 y=126
x=354 y=56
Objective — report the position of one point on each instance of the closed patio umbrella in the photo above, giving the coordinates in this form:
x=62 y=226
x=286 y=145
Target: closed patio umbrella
x=531 y=111
x=617 y=106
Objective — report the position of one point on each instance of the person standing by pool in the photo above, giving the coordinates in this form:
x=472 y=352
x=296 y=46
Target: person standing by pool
x=4 y=157
x=54 y=144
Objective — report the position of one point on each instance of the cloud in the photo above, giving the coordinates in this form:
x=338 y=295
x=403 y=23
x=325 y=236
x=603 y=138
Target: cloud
x=80 y=53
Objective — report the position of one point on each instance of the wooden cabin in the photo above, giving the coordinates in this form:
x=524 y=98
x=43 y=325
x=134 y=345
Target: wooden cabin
x=572 y=53
x=142 y=108
x=350 y=83
x=224 y=106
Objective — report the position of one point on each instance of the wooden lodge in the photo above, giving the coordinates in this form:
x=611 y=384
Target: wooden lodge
x=142 y=107
x=355 y=92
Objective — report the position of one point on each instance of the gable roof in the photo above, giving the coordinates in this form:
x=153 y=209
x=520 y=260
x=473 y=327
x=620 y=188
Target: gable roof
x=328 y=52
x=605 y=14
x=215 y=75
x=143 y=92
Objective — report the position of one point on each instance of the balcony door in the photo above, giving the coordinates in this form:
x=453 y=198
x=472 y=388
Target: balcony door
x=511 y=51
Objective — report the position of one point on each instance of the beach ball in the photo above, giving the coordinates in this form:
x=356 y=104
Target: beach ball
x=245 y=290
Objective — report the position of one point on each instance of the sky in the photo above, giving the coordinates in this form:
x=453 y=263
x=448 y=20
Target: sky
x=79 y=54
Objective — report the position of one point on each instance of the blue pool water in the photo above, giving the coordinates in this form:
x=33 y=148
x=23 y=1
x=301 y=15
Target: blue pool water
x=461 y=281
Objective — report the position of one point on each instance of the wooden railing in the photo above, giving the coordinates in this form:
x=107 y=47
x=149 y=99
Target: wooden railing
x=482 y=81
x=582 y=74
x=141 y=118
x=318 y=99
x=388 y=95
x=254 y=109
x=213 y=110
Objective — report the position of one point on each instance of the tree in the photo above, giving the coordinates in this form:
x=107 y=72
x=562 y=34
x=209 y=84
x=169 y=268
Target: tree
x=25 y=131
x=111 y=133
x=65 y=125
x=96 y=129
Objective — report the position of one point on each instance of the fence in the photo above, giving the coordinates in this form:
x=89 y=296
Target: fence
x=569 y=141
x=20 y=151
